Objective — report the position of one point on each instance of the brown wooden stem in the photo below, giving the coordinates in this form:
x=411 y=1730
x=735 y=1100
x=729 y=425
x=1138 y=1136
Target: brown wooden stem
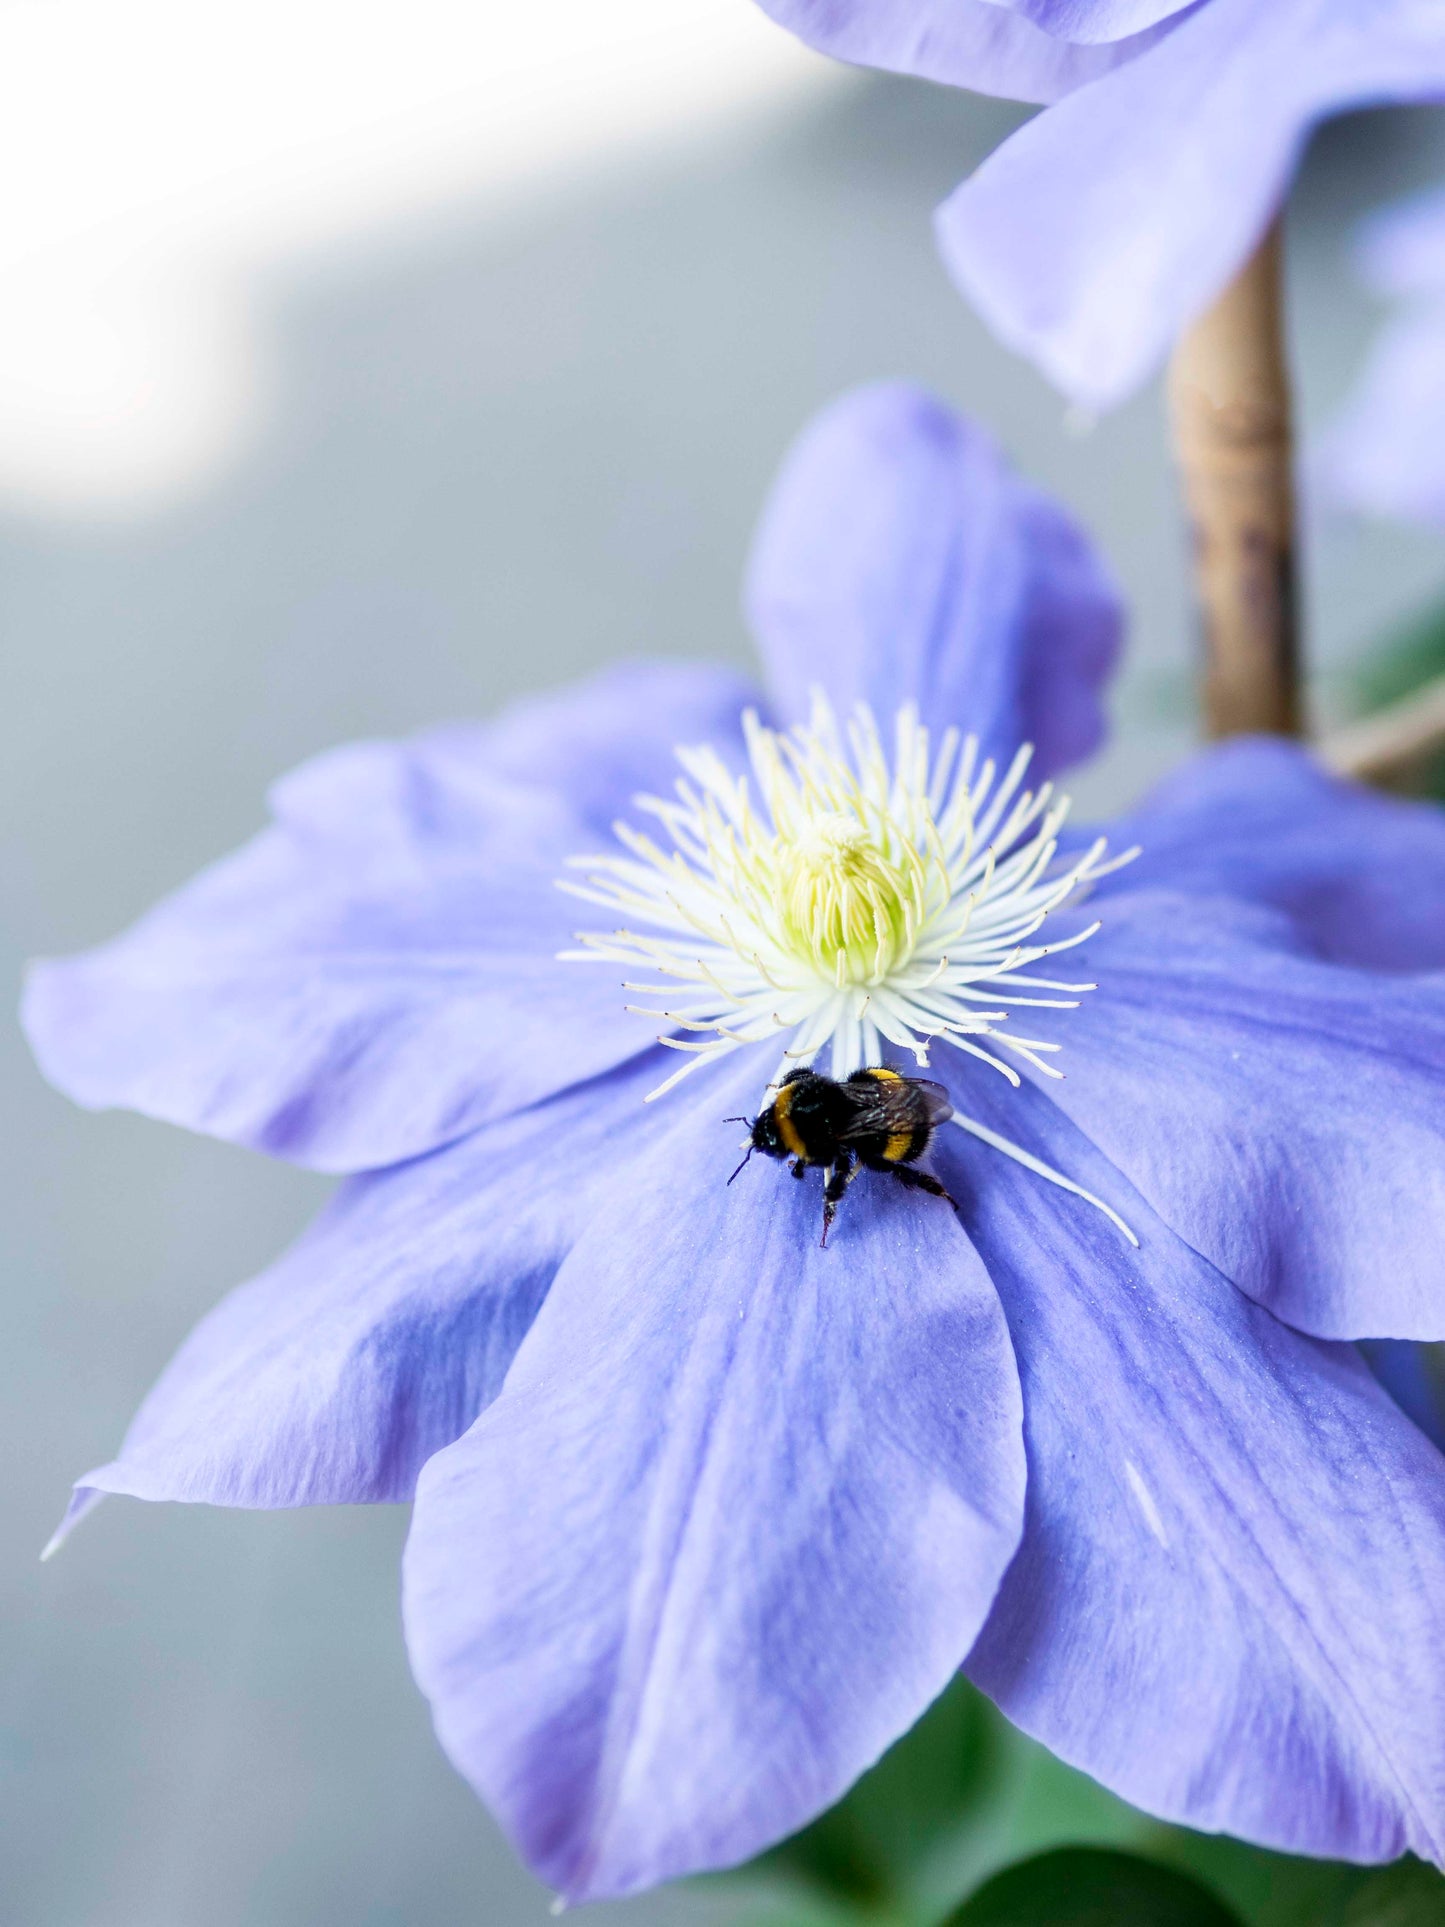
x=1229 y=403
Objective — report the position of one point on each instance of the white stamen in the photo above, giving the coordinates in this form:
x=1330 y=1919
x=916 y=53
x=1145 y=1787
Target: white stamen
x=843 y=903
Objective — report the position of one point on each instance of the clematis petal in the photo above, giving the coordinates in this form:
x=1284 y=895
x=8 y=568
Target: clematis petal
x=1094 y=234
x=1283 y=1114
x=379 y=1337
x=1229 y=1603
x=901 y=558
x=965 y=43
x=574 y=757
x=732 y=1524
x=1361 y=874
x=376 y=974
x=1381 y=455
x=1094 y=22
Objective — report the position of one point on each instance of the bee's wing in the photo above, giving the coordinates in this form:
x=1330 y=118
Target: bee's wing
x=888 y=1107
x=940 y=1104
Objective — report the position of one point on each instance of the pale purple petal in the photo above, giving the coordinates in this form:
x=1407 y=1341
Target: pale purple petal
x=732 y=1524
x=900 y=558
x=1095 y=233
x=1400 y=250
x=1229 y=1605
x=381 y=1334
x=376 y=974
x=1384 y=453
x=1362 y=875
x=1094 y=22
x=1285 y=1115
x=967 y=43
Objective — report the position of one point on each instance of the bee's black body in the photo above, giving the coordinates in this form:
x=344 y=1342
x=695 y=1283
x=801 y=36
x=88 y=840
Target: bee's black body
x=875 y=1119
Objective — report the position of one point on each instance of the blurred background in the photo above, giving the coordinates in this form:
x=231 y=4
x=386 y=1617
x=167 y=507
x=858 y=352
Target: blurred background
x=360 y=366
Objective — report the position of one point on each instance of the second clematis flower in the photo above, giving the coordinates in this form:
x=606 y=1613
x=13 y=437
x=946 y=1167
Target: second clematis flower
x=1097 y=232
x=705 y=1516
x=1385 y=452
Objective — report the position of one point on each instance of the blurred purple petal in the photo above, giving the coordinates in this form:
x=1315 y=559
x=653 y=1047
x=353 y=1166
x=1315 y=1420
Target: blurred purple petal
x=1361 y=874
x=733 y=1523
x=1384 y=453
x=1229 y=1605
x=901 y=558
x=1381 y=455
x=1093 y=235
x=1284 y=1115
x=1094 y=22
x=376 y=974
x=381 y=1334
x=967 y=43
x=1400 y=249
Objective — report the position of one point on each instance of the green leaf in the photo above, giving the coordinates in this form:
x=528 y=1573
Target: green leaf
x=1406 y=662
x=1412 y=657
x=1091 y=1887
x=1407 y=1894
x=868 y=1848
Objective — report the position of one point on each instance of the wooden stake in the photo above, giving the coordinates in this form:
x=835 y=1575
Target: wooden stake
x=1229 y=403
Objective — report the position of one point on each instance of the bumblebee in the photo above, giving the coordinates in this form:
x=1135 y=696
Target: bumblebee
x=874 y=1119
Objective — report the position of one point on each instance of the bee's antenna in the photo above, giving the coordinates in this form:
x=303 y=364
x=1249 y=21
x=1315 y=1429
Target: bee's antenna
x=739 y=1120
x=751 y=1147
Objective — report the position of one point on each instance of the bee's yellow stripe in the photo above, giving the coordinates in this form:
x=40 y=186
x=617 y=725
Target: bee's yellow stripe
x=890 y=1077
x=897 y=1146
x=787 y=1131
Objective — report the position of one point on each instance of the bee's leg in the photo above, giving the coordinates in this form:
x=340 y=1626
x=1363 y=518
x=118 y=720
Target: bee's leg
x=836 y=1180
x=798 y=1168
x=920 y=1181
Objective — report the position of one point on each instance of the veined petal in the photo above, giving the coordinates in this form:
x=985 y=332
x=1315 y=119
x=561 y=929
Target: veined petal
x=378 y=1338
x=966 y=43
x=901 y=559
x=1229 y=1604
x=1094 y=22
x=730 y=1527
x=1284 y=1115
x=376 y=974
x=1094 y=234
x=1360 y=874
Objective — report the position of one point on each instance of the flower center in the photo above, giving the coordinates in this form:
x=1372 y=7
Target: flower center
x=843 y=906
x=844 y=898
x=836 y=898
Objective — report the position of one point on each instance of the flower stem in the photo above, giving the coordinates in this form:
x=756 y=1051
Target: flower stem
x=1230 y=410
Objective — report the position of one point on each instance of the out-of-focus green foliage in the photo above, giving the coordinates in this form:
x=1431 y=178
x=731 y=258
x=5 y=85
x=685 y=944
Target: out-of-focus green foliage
x=1405 y=1895
x=870 y=1848
x=965 y=1795
x=1405 y=663
x=1091 y=1887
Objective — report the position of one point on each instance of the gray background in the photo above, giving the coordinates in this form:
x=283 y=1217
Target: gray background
x=506 y=450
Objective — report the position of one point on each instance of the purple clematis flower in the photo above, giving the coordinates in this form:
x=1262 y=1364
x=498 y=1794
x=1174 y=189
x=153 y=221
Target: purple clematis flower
x=1385 y=452
x=705 y=1516
x=1103 y=227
